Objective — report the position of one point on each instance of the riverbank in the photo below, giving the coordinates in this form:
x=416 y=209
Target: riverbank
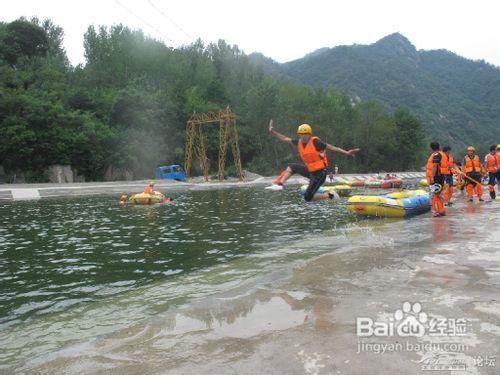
x=9 y=192
x=301 y=317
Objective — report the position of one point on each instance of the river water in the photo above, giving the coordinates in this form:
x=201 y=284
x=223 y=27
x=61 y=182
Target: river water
x=75 y=268
x=238 y=281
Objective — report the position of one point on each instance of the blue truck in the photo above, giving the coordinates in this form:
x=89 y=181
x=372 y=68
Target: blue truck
x=170 y=172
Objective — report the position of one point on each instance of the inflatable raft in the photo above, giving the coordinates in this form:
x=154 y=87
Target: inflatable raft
x=384 y=184
x=342 y=190
x=144 y=199
x=423 y=182
x=358 y=183
x=373 y=183
x=398 y=204
x=391 y=183
x=340 y=181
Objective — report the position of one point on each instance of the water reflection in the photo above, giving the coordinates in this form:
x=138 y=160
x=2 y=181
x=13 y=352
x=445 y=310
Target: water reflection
x=358 y=259
x=58 y=256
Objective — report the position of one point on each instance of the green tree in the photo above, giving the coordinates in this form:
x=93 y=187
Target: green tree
x=23 y=39
x=410 y=139
x=127 y=106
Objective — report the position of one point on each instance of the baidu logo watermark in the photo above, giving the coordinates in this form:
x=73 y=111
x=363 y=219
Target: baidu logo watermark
x=411 y=321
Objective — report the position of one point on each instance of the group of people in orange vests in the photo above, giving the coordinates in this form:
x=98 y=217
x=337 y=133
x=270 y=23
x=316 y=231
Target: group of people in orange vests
x=441 y=169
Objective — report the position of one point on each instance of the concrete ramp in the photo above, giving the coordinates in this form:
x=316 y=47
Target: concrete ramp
x=5 y=195
x=22 y=194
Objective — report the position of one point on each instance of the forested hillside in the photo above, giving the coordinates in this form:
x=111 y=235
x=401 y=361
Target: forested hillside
x=458 y=100
x=127 y=106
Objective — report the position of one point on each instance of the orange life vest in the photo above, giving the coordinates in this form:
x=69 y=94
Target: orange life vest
x=472 y=165
x=445 y=168
x=314 y=160
x=148 y=190
x=442 y=168
x=451 y=163
x=493 y=162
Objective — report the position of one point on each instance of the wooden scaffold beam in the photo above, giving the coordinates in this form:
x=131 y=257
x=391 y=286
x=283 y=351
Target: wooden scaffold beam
x=195 y=138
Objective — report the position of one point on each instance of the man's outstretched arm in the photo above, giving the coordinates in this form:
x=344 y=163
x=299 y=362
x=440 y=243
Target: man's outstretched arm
x=342 y=151
x=280 y=136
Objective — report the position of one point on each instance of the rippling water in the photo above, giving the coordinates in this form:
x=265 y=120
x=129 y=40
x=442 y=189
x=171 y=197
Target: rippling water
x=75 y=268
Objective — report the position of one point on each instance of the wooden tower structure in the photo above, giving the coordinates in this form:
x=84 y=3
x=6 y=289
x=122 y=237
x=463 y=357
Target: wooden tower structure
x=195 y=140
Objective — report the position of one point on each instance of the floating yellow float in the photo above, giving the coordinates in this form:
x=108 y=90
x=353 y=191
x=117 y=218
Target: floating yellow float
x=342 y=190
x=423 y=182
x=398 y=204
x=144 y=199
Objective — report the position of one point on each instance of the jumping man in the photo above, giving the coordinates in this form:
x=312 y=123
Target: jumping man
x=313 y=153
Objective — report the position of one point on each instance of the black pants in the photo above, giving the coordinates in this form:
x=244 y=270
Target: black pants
x=316 y=179
x=439 y=179
x=494 y=177
x=475 y=176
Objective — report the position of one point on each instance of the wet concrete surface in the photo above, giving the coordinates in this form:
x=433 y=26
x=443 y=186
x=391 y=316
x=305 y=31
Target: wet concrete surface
x=441 y=272
x=36 y=191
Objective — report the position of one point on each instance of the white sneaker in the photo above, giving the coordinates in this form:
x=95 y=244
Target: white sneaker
x=274 y=187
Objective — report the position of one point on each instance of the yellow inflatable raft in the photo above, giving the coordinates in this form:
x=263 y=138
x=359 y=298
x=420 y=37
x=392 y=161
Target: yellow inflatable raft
x=423 y=182
x=340 y=181
x=342 y=190
x=143 y=199
x=399 y=204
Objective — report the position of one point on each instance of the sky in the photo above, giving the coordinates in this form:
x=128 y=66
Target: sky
x=282 y=30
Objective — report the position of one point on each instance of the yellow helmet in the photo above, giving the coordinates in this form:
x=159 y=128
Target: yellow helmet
x=151 y=183
x=304 y=129
x=471 y=148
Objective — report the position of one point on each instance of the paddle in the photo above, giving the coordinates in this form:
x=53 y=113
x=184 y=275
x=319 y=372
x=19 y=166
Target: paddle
x=463 y=174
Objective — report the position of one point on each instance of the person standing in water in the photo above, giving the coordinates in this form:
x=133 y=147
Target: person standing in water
x=473 y=169
x=437 y=167
x=492 y=165
x=448 y=177
x=312 y=151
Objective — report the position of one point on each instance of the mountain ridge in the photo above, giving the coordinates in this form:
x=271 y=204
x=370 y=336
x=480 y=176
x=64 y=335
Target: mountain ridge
x=458 y=99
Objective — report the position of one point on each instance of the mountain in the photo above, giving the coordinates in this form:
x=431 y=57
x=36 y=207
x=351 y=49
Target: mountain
x=457 y=99
x=317 y=52
x=269 y=66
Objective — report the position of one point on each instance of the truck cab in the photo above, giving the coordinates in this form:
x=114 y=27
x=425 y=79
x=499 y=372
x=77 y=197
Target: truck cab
x=170 y=172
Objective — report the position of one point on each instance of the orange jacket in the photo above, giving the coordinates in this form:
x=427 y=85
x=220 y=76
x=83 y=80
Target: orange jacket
x=448 y=163
x=472 y=165
x=148 y=190
x=314 y=160
x=442 y=168
x=451 y=163
x=493 y=162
